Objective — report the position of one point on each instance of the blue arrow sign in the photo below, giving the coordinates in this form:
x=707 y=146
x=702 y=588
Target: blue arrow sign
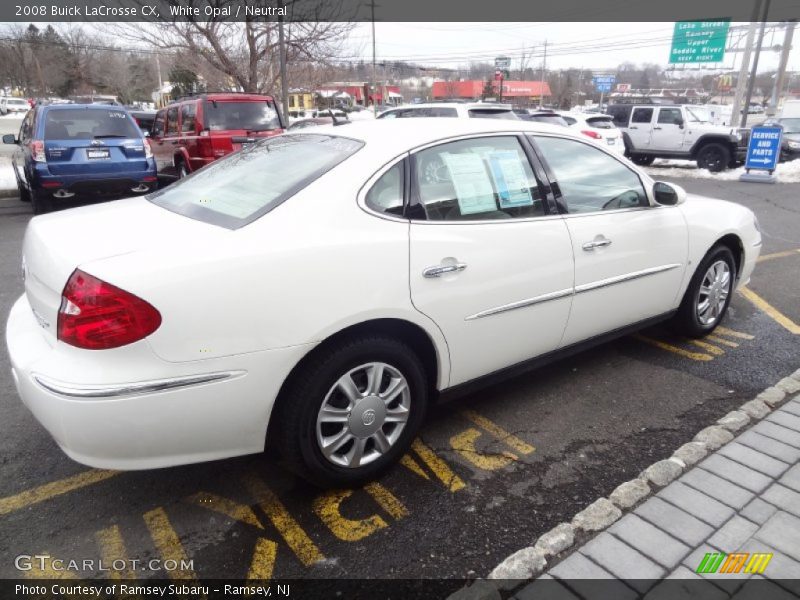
x=764 y=148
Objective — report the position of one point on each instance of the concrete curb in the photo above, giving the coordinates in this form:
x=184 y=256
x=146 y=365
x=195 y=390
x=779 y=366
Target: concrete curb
x=603 y=512
x=10 y=193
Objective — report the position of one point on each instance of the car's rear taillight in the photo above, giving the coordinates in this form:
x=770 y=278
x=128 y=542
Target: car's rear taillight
x=96 y=315
x=37 y=151
x=592 y=134
x=148 y=150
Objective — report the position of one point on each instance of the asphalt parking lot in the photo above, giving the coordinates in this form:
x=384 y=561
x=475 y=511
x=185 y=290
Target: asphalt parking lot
x=489 y=473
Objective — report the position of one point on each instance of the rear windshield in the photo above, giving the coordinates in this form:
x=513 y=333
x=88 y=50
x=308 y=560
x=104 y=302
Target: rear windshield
x=251 y=116
x=245 y=185
x=85 y=123
x=17 y=101
x=483 y=113
x=601 y=122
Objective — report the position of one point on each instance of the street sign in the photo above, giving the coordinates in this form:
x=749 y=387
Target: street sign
x=699 y=41
x=623 y=87
x=502 y=62
x=604 y=83
x=764 y=148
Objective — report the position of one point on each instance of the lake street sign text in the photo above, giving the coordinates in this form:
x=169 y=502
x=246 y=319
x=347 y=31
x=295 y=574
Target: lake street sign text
x=699 y=41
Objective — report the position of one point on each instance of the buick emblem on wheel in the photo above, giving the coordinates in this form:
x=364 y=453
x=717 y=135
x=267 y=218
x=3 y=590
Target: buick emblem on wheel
x=368 y=418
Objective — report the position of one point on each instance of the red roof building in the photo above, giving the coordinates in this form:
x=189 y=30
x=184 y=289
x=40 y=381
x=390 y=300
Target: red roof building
x=472 y=89
x=358 y=91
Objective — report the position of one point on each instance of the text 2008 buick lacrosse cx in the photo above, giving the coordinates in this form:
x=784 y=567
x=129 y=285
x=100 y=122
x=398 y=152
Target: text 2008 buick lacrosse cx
x=316 y=291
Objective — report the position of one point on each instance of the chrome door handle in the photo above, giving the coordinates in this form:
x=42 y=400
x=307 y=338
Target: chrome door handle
x=658 y=128
x=589 y=246
x=440 y=270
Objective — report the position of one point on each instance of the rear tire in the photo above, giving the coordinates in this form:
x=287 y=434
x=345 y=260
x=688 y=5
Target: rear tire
x=182 y=170
x=643 y=160
x=714 y=157
x=320 y=430
x=712 y=287
x=40 y=203
x=24 y=194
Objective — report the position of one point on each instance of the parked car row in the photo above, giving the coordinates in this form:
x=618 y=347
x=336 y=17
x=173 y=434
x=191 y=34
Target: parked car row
x=13 y=105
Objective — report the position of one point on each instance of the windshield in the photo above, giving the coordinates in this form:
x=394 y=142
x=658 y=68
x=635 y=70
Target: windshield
x=250 y=116
x=245 y=185
x=484 y=113
x=699 y=115
x=88 y=123
x=790 y=125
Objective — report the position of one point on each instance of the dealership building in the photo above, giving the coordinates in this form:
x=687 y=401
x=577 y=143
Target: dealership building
x=522 y=92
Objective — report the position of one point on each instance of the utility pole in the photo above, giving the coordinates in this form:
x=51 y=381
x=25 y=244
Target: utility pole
x=374 y=82
x=754 y=70
x=741 y=82
x=780 y=77
x=544 y=67
x=282 y=51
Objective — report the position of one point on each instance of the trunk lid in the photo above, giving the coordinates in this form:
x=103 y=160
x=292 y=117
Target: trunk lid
x=55 y=245
x=95 y=156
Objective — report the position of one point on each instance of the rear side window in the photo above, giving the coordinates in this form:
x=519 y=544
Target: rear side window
x=250 y=116
x=442 y=111
x=483 y=113
x=386 y=195
x=172 y=120
x=245 y=185
x=76 y=124
x=642 y=115
x=187 y=117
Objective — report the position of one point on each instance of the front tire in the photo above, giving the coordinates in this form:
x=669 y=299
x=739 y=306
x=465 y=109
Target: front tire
x=351 y=411
x=643 y=160
x=709 y=293
x=714 y=157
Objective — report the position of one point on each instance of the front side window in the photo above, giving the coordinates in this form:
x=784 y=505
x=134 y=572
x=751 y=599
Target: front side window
x=589 y=179
x=670 y=116
x=386 y=195
x=642 y=115
x=476 y=179
x=245 y=185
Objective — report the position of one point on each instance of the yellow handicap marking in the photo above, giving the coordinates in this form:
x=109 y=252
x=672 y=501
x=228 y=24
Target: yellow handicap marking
x=112 y=549
x=710 y=348
x=464 y=444
x=327 y=507
x=501 y=434
x=289 y=529
x=699 y=356
x=263 y=561
x=723 y=341
x=436 y=465
x=731 y=333
x=770 y=310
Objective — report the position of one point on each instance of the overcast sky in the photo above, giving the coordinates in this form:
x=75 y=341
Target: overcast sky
x=570 y=45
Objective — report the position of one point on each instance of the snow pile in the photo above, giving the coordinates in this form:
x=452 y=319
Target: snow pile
x=788 y=172
x=7 y=180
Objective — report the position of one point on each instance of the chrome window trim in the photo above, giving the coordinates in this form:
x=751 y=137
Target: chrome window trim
x=361 y=198
x=129 y=389
x=586 y=287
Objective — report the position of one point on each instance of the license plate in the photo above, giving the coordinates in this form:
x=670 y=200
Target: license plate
x=98 y=153
x=612 y=142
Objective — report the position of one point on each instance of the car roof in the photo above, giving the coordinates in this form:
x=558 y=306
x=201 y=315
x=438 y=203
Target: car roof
x=49 y=107
x=467 y=105
x=391 y=137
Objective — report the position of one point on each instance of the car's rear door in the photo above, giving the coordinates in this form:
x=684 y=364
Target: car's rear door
x=490 y=261
x=630 y=255
x=640 y=127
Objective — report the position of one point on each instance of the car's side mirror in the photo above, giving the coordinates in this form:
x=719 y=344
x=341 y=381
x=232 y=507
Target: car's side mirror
x=9 y=138
x=668 y=194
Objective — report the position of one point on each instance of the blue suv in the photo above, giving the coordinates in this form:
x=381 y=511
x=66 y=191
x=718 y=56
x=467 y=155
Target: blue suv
x=89 y=151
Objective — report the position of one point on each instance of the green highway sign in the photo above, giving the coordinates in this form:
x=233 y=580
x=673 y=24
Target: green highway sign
x=699 y=41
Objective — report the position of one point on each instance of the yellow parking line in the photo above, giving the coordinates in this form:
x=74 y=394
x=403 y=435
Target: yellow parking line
x=770 y=310
x=437 y=466
x=235 y=510
x=167 y=542
x=112 y=548
x=508 y=438
x=783 y=254
x=722 y=341
x=464 y=444
x=386 y=500
x=50 y=490
x=326 y=507
x=706 y=346
x=733 y=333
x=700 y=356
x=263 y=560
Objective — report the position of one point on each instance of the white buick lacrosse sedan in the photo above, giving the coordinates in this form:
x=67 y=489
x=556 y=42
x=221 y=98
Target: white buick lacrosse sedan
x=317 y=290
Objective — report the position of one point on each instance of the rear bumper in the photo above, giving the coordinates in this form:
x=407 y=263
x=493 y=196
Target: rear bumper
x=112 y=184
x=156 y=414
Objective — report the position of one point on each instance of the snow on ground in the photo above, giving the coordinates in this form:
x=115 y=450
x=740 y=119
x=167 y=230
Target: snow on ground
x=7 y=180
x=788 y=172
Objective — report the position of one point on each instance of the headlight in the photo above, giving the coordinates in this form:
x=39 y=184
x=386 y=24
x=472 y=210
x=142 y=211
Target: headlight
x=794 y=145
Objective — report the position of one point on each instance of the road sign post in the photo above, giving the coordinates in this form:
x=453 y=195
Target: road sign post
x=763 y=153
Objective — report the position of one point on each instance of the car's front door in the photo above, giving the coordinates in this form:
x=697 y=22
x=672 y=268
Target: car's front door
x=630 y=255
x=161 y=151
x=488 y=263
x=640 y=127
x=668 y=131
